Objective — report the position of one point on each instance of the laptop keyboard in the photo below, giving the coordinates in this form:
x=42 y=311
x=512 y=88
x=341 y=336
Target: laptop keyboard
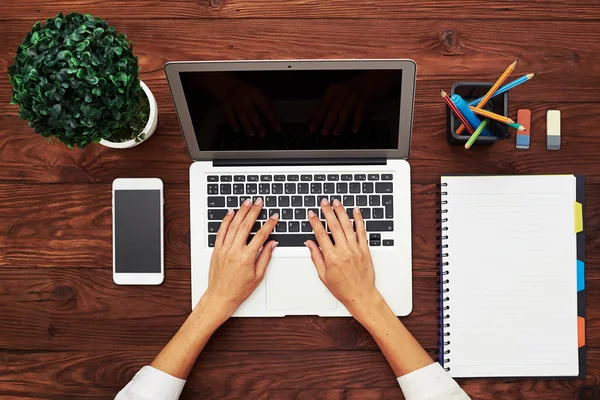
x=293 y=195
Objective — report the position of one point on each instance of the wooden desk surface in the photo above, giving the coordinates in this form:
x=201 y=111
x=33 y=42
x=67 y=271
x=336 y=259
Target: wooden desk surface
x=68 y=332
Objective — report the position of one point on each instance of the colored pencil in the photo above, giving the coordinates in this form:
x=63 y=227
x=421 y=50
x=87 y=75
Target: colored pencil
x=456 y=112
x=475 y=135
x=491 y=115
x=505 y=88
x=490 y=92
x=518 y=127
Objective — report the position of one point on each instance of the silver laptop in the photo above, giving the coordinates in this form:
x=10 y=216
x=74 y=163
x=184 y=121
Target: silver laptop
x=294 y=132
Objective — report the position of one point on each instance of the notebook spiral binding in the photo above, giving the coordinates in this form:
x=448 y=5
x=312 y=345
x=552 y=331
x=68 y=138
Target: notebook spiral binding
x=443 y=272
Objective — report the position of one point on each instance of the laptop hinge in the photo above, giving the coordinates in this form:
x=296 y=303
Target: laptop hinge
x=298 y=161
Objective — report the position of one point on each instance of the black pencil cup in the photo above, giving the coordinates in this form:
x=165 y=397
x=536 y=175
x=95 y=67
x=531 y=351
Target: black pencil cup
x=470 y=91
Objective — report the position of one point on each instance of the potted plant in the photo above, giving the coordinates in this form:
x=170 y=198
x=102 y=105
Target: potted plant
x=75 y=79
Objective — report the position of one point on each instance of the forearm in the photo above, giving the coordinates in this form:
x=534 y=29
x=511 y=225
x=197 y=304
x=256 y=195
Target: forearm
x=179 y=356
x=400 y=348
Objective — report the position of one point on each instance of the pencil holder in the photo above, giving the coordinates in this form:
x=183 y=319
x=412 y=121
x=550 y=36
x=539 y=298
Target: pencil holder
x=470 y=91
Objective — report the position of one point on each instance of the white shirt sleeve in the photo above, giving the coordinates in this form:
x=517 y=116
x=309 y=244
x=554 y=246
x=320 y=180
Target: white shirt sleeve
x=150 y=384
x=431 y=383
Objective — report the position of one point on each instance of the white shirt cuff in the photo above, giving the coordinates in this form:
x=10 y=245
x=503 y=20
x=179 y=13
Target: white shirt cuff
x=151 y=383
x=430 y=382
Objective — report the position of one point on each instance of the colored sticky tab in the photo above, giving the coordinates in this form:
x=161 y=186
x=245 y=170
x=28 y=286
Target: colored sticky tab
x=469 y=115
x=580 y=331
x=578 y=217
x=580 y=276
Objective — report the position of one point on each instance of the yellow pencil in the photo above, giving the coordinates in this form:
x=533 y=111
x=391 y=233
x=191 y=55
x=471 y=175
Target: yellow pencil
x=491 y=115
x=490 y=92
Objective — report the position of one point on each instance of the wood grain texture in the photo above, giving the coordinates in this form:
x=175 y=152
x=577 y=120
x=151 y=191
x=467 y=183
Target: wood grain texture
x=68 y=332
x=286 y=9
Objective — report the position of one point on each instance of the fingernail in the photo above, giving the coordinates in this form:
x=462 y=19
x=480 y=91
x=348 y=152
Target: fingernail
x=311 y=213
x=274 y=244
x=275 y=216
x=258 y=201
x=336 y=203
x=230 y=211
x=247 y=202
x=306 y=244
x=356 y=210
x=324 y=202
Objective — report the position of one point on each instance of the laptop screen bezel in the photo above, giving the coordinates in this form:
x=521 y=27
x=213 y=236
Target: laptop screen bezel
x=408 y=67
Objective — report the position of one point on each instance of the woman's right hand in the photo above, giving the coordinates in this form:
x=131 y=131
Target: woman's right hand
x=346 y=267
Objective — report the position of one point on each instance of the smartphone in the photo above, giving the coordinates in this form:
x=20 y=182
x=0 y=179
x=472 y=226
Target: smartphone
x=138 y=231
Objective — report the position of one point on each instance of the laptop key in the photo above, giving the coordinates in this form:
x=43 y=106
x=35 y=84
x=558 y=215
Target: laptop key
x=225 y=188
x=252 y=178
x=306 y=177
x=238 y=188
x=277 y=188
x=262 y=215
x=341 y=187
x=239 y=178
x=305 y=226
x=290 y=188
x=243 y=198
x=366 y=212
x=212 y=188
x=333 y=177
x=299 y=213
x=328 y=188
x=348 y=201
x=346 y=177
x=374 y=242
x=319 y=178
x=374 y=200
x=386 y=177
x=384 y=187
x=303 y=188
x=380 y=226
x=388 y=204
x=367 y=187
x=279 y=178
x=378 y=213
x=283 y=201
x=251 y=188
x=350 y=212
x=213 y=227
x=309 y=201
x=264 y=188
x=217 y=213
x=266 y=178
x=287 y=213
x=388 y=242
x=225 y=178
x=355 y=187
x=293 y=239
x=271 y=201
x=374 y=236
x=360 y=177
x=293 y=178
x=296 y=201
x=212 y=178
x=255 y=227
x=216 y=201
x=281 y=227
x=361 y=201
x=334 y=197
x=316 y=188
x=211 y=240
x=373 y=177
x=294 y=226
x=232 y=201
x=273 y=211
x=315 y=210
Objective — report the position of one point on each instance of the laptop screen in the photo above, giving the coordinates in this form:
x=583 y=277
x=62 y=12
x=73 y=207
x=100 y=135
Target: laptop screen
x=294 y=110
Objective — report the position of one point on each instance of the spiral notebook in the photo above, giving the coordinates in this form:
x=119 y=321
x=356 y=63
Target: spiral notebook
x=512 y=285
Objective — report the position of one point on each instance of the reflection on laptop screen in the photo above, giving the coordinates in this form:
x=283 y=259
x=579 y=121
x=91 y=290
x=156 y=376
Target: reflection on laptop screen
x=294 y=110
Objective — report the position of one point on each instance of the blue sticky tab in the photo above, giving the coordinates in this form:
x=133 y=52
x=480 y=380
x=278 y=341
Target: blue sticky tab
x=580 y=276
x=469 y=115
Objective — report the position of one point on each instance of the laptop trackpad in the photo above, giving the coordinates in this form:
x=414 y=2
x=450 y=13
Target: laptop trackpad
x=293 y=284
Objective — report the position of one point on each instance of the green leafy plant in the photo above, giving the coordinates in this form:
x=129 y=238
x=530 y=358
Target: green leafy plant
x=75 y=78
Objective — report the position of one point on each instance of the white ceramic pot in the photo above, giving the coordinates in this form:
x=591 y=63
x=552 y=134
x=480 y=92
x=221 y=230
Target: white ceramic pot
x=148 y=129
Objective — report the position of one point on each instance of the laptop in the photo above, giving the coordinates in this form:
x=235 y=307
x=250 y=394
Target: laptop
x=293 y=133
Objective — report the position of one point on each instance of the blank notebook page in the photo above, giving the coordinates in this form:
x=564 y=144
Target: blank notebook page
x=512 y=276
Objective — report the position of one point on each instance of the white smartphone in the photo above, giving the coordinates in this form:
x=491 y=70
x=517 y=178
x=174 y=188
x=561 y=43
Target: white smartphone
x=138 y=226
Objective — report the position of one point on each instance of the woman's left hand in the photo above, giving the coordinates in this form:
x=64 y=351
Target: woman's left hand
x=236 y=268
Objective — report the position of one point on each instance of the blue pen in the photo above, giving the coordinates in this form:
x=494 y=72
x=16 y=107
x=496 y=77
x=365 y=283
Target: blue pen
x=505 y=88
x=469 y=115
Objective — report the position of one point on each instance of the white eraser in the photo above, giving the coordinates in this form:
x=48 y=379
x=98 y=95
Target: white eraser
x=553 y=130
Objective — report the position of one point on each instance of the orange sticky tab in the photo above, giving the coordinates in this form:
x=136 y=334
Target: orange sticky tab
x=581 y=331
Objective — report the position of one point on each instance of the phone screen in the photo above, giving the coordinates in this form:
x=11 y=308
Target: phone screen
x=138 y=245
